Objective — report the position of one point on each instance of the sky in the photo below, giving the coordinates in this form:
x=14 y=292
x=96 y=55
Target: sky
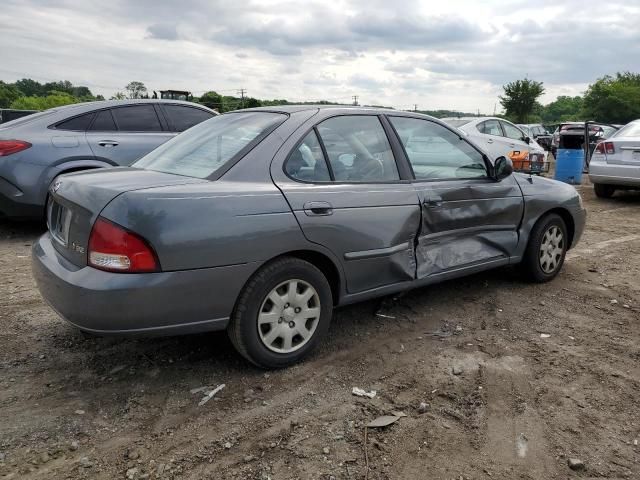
x=436 y=54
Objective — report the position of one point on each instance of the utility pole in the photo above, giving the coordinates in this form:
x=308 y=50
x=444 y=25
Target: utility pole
x=355 y=100
x=242 y=92
x=415 y=107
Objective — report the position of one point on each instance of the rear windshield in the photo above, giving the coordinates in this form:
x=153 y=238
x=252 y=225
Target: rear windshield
x=456 y=122
x=27 y=119
x=629 y=130
x=202 y=150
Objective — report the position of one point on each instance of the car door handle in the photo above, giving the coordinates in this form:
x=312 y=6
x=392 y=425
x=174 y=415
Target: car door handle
x=318 y=209
x=490 y=141
x=108 y=143
x=512 y=145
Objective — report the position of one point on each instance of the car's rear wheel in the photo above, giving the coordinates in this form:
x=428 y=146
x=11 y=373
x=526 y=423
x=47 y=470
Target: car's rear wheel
x=281 y=313
x=548 y=244
x=603 y=191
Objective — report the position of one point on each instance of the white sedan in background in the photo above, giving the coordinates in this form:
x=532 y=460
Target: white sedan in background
x=615 y=163
x=499 y=137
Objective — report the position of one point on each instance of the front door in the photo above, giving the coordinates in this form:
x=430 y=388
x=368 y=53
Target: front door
x=122 y=135
x=344 y=187
x=468 y=219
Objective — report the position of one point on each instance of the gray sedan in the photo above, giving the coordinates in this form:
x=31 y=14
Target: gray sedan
x=37 y=148
x=261 y=221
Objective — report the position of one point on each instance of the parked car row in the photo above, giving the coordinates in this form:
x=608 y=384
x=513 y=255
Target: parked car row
x=260 y=221
x=37 y=148
x=502 y=138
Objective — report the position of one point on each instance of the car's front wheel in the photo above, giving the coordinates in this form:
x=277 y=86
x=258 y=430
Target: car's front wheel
x=603 y=191
x=281 y=313
x=548 y=244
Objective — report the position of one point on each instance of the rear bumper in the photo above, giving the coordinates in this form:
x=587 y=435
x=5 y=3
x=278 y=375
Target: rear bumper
x=613 y=173
x=14 y=203
x=614 y=180
x=165 y=303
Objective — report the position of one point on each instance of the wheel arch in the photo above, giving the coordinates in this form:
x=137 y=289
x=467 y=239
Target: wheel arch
x=568 y=221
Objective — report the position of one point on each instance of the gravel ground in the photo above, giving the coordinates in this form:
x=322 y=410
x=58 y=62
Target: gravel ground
x=516 y=381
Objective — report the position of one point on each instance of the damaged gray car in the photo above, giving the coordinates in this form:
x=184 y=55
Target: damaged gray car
x=261 y=221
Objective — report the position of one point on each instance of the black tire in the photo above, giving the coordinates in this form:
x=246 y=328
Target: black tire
x=603 y=191
x=243 y=328
x=531 y=263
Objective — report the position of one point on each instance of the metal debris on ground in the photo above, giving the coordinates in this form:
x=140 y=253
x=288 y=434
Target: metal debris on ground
x=385 y=316
x=209 y=395
x=544 y=335
x=358 y=392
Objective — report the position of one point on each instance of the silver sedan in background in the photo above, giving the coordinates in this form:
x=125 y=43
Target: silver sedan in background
x=615 y=163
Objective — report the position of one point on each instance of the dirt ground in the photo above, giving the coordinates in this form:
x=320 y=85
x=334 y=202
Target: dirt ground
x=516 y=378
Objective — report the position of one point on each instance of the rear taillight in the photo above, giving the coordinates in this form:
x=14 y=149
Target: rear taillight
x=7 y=147
x=609 y=148
x=606 y=147
x=115 y=249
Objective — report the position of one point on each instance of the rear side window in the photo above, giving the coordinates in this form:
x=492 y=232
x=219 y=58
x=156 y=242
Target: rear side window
x=182 y=117
x=307 y=162
x=207 y=147
x=437 y=153
x=512 y=132
x=490 y=127
x=137 y=118
x=80 y=123
x=104 y=122
x=358 y=149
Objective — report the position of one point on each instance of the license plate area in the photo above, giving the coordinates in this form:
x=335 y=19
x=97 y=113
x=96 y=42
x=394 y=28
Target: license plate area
x=59 y=222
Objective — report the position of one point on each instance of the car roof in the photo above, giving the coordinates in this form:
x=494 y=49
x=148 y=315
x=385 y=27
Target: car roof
x=87 y=106
x=301 y=108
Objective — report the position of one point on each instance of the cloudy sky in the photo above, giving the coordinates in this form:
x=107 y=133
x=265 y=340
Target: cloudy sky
x=437 y=54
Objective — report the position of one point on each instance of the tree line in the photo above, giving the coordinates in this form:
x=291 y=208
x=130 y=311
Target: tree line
x=610 y=99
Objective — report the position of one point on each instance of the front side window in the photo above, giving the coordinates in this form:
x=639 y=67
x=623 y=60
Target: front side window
x=137 y=118
x=512 y=132
x=306 y=162
x=207 y=147
x=435 y=152
x=490 y=127
x=358 y=149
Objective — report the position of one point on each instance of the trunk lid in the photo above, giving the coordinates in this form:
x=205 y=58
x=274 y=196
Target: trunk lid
x=76 y=200
x=627 y=151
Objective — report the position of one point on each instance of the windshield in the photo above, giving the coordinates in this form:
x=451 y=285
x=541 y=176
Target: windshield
x=456 y=122
x=201 y=150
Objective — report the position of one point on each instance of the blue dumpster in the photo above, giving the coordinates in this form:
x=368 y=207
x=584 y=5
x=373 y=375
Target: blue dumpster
x=569 y=165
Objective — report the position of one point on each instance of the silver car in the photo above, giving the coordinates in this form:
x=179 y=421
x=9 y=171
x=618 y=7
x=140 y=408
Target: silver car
x=615 y=162
x=35 y=149
x=261 y=221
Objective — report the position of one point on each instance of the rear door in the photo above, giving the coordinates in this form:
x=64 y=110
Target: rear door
x=514 y=137
x=468 y=219
x=492 y=138
x=121 y=135
x=344 y=186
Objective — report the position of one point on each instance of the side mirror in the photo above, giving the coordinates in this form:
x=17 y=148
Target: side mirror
x=502 y=168
x=527 y=139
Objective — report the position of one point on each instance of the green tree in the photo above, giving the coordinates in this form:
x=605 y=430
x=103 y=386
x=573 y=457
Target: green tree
x=251 y=102
x=212 y=100
x=29 y=87
x=118 y=96
x=613 y=99
x=54 y=99
x=62 y=86
x=8 y=94
x=520 y=98
x=562 y=109
x=136 y=89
